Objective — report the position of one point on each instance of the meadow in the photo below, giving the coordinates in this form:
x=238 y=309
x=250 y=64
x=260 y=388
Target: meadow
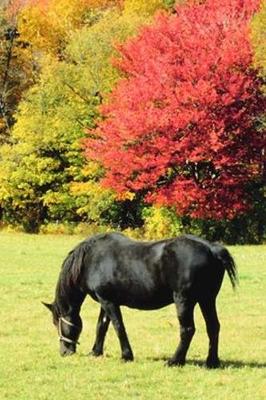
x=32 y=369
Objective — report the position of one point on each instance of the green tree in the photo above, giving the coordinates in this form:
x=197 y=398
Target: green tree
x=44 y=160
x=17 y=72
x=258 y=38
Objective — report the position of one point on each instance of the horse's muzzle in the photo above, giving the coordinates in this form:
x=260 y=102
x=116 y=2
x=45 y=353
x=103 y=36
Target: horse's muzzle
x=67 y=351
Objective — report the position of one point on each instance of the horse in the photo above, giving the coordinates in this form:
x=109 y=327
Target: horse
x=147 y=275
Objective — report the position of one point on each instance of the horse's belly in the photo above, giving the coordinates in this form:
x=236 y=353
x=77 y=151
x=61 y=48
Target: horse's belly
x=147 y=301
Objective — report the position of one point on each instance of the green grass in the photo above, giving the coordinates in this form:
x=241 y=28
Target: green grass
x=31 y=368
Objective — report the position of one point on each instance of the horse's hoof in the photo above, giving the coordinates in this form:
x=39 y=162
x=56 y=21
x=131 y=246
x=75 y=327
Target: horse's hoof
x=213 y=364
x=175 y=363
x=94 y=353
x=128 y=357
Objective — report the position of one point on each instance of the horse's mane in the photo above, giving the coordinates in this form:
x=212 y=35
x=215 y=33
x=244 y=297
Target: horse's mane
x=71 y=269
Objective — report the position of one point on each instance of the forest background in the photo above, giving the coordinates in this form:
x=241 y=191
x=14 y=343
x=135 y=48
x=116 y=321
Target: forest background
x=147 y=117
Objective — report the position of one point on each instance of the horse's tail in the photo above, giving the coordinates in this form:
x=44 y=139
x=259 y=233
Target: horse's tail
x=227 y=261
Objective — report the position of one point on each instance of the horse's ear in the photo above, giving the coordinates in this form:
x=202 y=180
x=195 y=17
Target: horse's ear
x=49 y=306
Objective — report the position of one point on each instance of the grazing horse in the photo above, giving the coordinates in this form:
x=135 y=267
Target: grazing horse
x=117 y=271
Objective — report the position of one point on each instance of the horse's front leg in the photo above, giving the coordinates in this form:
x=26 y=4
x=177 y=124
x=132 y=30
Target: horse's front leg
x=185 y=309
x=101 y=329
x=114 y=313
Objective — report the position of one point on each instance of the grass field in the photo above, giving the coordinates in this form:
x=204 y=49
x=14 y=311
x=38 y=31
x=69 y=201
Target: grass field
x=31 y=367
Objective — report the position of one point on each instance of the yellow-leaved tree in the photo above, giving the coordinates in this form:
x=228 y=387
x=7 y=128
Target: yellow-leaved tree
x=43 y=174
x=49 y=24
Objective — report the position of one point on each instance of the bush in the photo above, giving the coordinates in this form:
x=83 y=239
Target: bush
x=160 y=222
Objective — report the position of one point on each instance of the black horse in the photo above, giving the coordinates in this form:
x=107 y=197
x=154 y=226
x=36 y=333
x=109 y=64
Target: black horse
x=117 y=271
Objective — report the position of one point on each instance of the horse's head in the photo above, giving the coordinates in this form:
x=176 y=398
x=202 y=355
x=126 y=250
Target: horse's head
x=69 y=328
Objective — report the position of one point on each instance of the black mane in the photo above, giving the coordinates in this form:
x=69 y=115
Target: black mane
x=71 y=271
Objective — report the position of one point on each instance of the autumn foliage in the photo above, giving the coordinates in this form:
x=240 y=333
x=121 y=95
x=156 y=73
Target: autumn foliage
x=180 y=128
x=54 y=72
x=49 y=24
x=170 y=93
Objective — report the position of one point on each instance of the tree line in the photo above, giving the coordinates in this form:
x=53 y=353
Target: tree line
x=127 y=114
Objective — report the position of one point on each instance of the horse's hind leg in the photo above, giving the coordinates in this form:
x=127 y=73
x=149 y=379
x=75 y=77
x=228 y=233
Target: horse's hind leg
x=114 y=313
x=185 y=309
x=208 y=308
x=101 y=329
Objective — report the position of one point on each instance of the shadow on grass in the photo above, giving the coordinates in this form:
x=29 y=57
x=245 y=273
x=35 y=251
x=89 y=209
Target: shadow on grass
x=236 y=364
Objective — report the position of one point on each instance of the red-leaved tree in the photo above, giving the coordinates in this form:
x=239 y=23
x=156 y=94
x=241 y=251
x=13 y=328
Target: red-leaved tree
x=180 y=128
